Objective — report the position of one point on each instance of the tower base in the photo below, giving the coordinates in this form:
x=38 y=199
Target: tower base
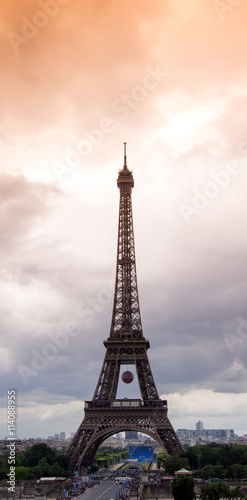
x=103 y=419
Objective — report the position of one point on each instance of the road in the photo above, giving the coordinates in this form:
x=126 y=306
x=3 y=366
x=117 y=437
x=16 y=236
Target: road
x=104 y=491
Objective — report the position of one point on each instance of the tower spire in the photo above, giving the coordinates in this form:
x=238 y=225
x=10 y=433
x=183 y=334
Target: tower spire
x=125 y=157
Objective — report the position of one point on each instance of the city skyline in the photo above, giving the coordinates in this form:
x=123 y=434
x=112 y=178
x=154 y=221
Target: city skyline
x=215 y=435
x=78 y=81
x=63 y=436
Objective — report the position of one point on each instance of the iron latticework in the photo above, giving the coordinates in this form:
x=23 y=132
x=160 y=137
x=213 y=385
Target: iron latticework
x=105 y=415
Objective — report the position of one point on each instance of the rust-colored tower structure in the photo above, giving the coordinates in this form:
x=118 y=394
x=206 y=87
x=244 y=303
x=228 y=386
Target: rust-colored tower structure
x=105 y=415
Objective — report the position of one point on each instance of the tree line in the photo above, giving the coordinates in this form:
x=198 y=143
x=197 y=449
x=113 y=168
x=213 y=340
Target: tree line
x=184 y=488
x=228 y=461
x=211 y=460
x=40 y=460
x=35 y=462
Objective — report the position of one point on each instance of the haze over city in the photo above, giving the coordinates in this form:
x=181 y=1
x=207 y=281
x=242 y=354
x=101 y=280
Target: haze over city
x=78 y=80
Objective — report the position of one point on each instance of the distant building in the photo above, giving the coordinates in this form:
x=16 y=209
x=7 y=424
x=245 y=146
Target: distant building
x=55 y=437
x=206 y=434
x=184 y=433
x=62 y=436
x=192 y=441
x=131 y=435
x=199 y=425
x=114 y=442
x=215 y=433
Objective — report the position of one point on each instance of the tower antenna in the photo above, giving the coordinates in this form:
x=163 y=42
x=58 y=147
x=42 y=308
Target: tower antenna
x=125 y=156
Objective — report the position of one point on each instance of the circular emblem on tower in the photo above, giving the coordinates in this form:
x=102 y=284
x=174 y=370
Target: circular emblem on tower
x=127 y=377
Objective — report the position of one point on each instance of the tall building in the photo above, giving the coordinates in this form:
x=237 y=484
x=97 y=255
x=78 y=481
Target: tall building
x=199 y=425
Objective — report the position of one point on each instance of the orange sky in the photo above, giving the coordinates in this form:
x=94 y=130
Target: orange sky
x=78 y=78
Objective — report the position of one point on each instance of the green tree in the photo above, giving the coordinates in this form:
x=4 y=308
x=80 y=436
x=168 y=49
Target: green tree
x=4 y=459
x=21 y=472
x=55 y=470
x=44 y=467
x=63 y=461
x=192 y=458
x=183 y=488
x=161 y=458
x=37 y=471
x=175 y=463
x=212 y=471
x=207 y=472
x=212 y=491
x=221 y=490
x=3 y=472
x=209 y=455
x=215 y=454
x=38 y=451
x=219 y=471
x=225 y=491
x=238 y=471
x=237 y=493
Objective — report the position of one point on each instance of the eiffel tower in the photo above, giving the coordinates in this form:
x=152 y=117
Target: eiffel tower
x=105 y=415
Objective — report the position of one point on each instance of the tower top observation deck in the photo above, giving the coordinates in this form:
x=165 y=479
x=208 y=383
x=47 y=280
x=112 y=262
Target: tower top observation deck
x=125 y=180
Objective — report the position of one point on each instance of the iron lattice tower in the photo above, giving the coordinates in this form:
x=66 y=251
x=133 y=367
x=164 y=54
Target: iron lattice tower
x=105 y=415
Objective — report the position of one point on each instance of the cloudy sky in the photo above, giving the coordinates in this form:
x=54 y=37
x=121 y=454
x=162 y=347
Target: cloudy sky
x=77 y=80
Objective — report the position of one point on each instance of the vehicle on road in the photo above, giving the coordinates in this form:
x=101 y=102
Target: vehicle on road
x=121 y=479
